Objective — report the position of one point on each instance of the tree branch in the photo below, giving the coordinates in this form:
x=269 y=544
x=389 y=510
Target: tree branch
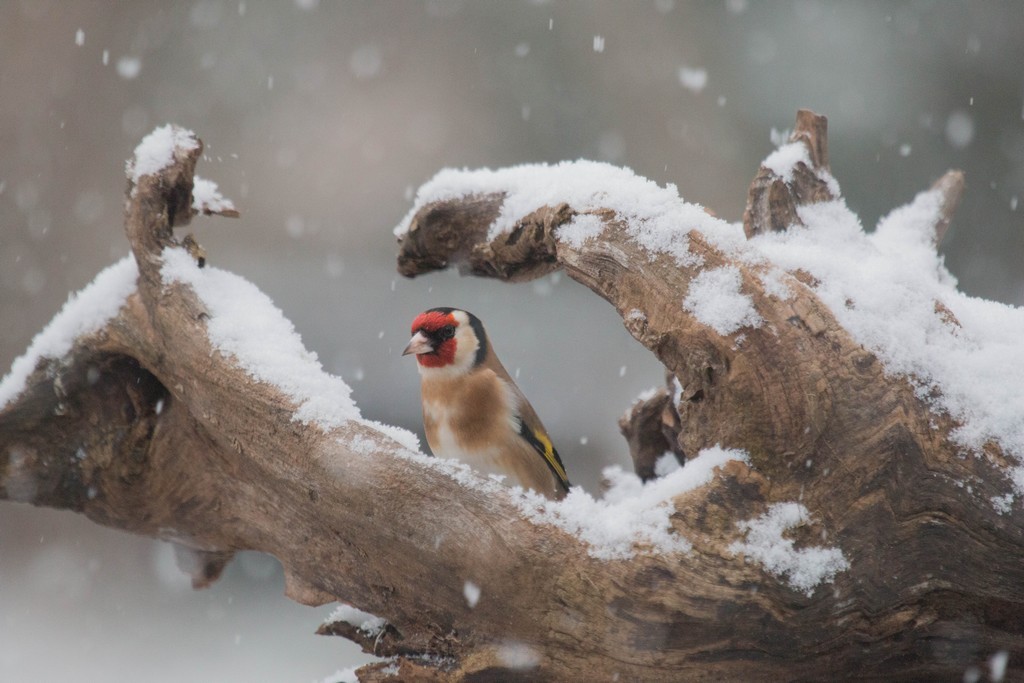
x=794 y=391
x=951 y=187
x=772 y=200
x=145 y=423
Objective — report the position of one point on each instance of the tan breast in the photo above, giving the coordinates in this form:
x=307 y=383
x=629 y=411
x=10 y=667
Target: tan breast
x=470 y=418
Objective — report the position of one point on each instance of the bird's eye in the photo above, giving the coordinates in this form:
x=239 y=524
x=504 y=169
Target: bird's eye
x=447 y=332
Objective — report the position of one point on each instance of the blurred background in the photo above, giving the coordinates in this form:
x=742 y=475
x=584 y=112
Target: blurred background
x=320 y=121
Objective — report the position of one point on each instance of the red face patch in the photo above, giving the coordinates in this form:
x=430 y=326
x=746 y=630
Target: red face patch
x=432 y=321
x=431 y=324
x=442 y=356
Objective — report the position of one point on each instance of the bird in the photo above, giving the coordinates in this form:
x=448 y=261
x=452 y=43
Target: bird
x=472 y=409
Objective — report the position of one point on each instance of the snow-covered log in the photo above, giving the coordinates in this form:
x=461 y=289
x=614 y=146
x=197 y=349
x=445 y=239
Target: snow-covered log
x=880 y=407
x=832 y=471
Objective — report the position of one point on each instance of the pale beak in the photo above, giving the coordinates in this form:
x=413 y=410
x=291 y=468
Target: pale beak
x=418 y=344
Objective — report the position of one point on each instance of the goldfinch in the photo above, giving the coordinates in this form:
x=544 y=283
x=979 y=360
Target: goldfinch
x=473 y=411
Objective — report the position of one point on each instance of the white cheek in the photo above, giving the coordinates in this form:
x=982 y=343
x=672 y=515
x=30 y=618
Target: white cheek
x=466 y=346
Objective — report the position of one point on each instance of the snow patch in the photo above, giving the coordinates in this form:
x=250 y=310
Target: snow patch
x=632 y=514
x=459 y=471
x=367 y=623
x=206 y=196
x=803 y=568
x=655 y=217
x=156 y=151
x=714 y=298
x=892 y=292
x=677 y=392
x=84 y=312
x=666 y=464
x=361 y=444
x=580 y=230
x=775 y=285
x=889 y=289
x=646 y=395
x=1002 y=504
x=783 y=160
x=243 y=322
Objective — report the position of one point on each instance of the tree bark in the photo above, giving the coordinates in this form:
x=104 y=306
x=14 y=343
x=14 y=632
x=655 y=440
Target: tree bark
x=144 y=426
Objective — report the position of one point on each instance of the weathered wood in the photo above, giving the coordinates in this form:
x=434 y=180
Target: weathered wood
x=650 y=428
x=825 y=425
x=771 y=200
x=146 y=427
x=951 y=188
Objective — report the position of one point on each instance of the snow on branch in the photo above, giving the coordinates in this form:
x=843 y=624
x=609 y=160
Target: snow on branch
x=804 y=568
x=889 y=288
x=819 y=378
x=159 y=150
x=869 y=396
x=85 y=312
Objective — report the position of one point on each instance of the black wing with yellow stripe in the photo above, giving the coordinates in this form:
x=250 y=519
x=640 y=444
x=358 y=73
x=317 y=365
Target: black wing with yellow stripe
x=542 y=444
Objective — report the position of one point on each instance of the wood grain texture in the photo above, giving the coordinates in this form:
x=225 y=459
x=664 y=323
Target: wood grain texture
x=143 y=426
